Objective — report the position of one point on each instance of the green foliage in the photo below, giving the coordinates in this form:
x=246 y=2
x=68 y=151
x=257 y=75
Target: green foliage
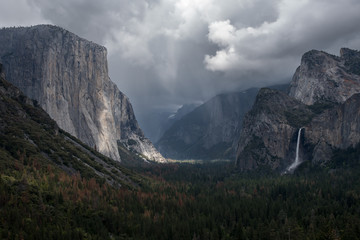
x=298 y=117
x=131 y=142
x=182 y=201
x=52 y=186
x=128 y=158
x=320 y=106
x=346 y=158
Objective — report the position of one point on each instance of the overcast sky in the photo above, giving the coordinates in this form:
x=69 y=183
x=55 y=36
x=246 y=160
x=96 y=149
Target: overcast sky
x=164 y=53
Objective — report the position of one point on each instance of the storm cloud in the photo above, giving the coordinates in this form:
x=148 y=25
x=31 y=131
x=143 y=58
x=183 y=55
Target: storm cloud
x=165 y=53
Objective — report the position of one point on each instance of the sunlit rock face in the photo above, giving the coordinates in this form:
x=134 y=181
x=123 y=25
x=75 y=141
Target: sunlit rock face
x=68 y=76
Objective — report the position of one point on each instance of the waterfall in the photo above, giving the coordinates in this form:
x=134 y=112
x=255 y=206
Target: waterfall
x=297 y=161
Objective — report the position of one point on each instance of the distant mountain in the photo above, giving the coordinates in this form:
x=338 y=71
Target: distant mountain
x=156 y=123
x=268 y=137
x=210 y=131
x=29 y=137
x=324 y=100
x=182 y=111
x=68 y=77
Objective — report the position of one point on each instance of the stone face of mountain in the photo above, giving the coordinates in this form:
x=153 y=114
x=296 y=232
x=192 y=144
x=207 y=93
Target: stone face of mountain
x=68 y=76
x=323 y=100
x=28 y=134
x=269 y=130
x=322 y=76
x=210 y=131
x=155 y=124
x=182 y=111
x=335 y=128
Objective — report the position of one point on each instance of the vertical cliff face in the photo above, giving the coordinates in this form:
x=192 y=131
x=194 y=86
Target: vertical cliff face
x=210 y=131
x=322 y=76
x=324 y=99
x=335 y=128
x=268 y=136
x=68 y=76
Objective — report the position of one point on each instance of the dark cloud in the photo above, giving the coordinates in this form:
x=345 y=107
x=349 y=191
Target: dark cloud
x=164 y=53
x=300 y=26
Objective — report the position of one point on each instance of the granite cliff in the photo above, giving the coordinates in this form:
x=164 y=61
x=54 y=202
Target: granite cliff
x=334 y=129
x=28 y=136
x=323 y=99
x=268 y=129
x=325 y=77
x=68 y=77
x=210 y=131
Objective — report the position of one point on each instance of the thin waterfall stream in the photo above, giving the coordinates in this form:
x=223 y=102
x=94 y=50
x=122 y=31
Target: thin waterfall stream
x=297 y=160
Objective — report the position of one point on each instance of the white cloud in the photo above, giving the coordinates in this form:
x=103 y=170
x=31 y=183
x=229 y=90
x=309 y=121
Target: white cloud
x=222 y=33
x=176 y=51
x=223 y=60
x=300 y=26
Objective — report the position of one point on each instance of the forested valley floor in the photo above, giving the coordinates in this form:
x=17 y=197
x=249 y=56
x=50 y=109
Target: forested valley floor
x=179 y=201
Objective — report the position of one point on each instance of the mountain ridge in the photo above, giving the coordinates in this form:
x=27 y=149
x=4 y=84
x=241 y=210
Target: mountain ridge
x=209 y=131
x=323 y=100
x=325 y=77
x=68 y=76
x=28 y=134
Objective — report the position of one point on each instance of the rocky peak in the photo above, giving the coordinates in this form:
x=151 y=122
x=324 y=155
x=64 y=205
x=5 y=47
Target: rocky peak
x=315 y=59
x=352 y=60
x=349 y=54
x=269 y=129
x=325 y=77
x=324 y=101
x=68 y=76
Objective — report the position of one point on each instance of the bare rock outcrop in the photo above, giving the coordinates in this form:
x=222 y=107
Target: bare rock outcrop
x=325 y=77
x=324 y=100
x=68 y=76
x=268 y=136
x=335 y=128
